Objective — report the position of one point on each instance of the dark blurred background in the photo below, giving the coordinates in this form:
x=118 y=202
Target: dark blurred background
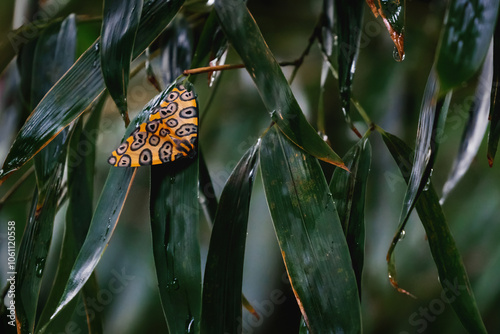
x=391 y=94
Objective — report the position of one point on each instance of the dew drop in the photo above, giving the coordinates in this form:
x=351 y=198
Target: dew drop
x=272 y=114
x=402 y=235
x=172 y=180
x=395 y=55
x=96 y=46
x=39 y=266
x=174 y=285
x=428 y=183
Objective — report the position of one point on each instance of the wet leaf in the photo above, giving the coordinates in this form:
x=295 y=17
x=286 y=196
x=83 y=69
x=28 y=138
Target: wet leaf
x=349 y=18
x=68 y=99
x=430 y=129
x=49 y=64
x=224 y=269
x=475 y=128
x=240 y=27
x=348 y=190
x=310 y=236
x=80 y=164
x=174 y=226
x=176 y=50
x=452 y=274
x=174 y=210
x=392 y=13
x=494 y=134
x=119 y=28
x=466 y=35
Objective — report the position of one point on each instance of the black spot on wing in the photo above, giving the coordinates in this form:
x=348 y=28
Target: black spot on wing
x=186 y=129
x=154 y=140
x=189 y=112
x=122 y=148
x=139 y=141
x=146 y=157
x=165 y=152
x=169 y=110
x=124 y=161
x=172 y=96
x=172 y=122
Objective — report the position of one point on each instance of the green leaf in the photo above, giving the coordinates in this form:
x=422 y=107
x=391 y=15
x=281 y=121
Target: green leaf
x=241 y=29
x=81 y=157
x=430 y=130
x=466 y=35
x=349 y=15
x=475 y=128
x=176 y=50
x=119 y=28
x=49 y=63
x=494 y=134
x=452 y=274
x=105 y=216
x=68 y=99
x=348 y=190
x=174 y=226
x=224 y=269
x=310 y=236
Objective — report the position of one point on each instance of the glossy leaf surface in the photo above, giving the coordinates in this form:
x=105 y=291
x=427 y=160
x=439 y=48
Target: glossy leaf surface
x=310 y=237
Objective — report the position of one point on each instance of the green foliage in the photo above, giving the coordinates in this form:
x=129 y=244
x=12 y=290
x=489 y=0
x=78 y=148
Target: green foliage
x=190 y=244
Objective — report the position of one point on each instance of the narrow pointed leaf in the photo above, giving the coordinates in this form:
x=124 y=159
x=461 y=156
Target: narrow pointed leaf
x=176 y=50
x=119 y=28
x=494 y=134
x=465 y=38
x=475 y=128
x=429 y=133
x=174 y=226
x=81 y=158
x=392 y=13
x=452 y=274
x=49 y=63
x=224 y=269
x=348 y=190
x=310 y=236
x=349 y=18
x=68 y=99
x=240 y=27
x=105 y=217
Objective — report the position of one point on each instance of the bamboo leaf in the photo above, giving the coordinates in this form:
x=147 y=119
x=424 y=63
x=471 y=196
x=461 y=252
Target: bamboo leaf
x=452 y=274
x=174 y=227
x=68 y=99
x=49 y=63
x=119 y=28
x=494 y=134
x=81 y=157
x=349 y=17
x=466 y=35
x=240 y=28
x=348 y=190
x=176 y=50
x=224 y=269
x=310 y=236
x=475 y=128
x=429 y=134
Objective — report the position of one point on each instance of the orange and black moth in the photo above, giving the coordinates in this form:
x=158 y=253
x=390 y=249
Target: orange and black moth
x=170 y=133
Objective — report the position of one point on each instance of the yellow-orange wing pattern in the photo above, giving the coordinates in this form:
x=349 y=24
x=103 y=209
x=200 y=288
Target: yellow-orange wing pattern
x=170 y=133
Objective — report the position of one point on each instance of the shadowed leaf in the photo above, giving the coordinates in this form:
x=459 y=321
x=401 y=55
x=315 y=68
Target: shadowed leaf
x=310 y=236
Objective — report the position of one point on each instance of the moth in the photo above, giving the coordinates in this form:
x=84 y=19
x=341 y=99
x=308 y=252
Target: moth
x=169 y=134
